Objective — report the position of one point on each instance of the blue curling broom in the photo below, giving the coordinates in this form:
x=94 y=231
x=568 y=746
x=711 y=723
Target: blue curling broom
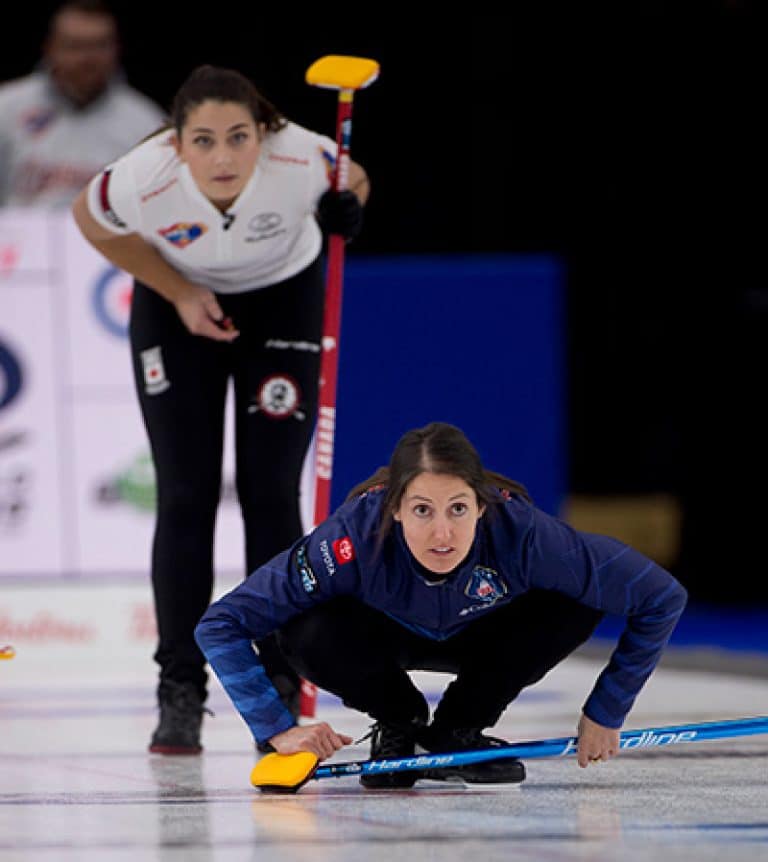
x=286 y=773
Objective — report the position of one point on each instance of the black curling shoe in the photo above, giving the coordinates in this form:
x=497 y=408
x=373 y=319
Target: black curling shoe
x=506 y=770
x=388 y=740
x=181 y=718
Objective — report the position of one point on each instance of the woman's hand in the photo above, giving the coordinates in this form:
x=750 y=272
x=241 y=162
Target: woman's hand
x=596 y=743
x=201 y=313
x=196 y=306
x=321 y=739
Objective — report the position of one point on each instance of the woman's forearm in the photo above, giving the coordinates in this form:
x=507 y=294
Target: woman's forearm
x=131 y=253
x=138 y=258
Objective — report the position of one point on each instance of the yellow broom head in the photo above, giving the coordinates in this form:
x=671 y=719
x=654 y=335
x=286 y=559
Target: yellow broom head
x=338 y=72
x=284 y=773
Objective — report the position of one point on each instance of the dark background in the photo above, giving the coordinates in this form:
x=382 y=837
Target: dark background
x=629 y=144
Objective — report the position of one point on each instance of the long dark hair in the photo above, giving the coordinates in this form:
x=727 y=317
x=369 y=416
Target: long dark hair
x=436 y=448
x=213 y=83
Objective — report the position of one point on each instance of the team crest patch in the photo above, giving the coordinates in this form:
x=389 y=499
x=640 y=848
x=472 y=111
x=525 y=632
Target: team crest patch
x=344 y=550
x=183 y=233
x=485 y=585
x=308 y=577
x=279 y=397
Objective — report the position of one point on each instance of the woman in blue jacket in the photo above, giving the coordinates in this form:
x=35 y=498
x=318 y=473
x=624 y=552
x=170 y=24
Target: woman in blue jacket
x=435 y=563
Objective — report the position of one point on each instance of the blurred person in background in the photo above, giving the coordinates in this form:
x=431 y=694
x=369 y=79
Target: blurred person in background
x=66 y=120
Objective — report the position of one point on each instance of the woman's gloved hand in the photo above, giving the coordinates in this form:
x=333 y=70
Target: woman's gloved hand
x=340 y=213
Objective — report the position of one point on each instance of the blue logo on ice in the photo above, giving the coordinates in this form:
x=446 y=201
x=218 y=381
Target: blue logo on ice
x=111 y=301
x=10 y=376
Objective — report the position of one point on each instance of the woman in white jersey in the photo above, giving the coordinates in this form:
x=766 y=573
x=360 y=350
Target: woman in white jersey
x=218 y=220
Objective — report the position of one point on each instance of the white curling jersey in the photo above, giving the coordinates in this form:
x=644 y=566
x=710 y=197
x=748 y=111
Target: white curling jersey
x=267 y=235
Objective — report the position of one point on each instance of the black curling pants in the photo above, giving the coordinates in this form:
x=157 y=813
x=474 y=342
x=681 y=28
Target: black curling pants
x=182 y=383
x=362 y=656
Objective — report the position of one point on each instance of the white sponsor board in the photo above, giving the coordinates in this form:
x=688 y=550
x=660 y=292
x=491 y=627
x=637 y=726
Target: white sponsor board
x=98 y=305
x=113 y=488
x=74 y=467
x=25 y=243
x=114 y=493
x=32 y=498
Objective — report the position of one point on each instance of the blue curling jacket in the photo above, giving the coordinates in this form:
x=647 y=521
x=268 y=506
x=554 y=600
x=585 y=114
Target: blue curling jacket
x=517 y=547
